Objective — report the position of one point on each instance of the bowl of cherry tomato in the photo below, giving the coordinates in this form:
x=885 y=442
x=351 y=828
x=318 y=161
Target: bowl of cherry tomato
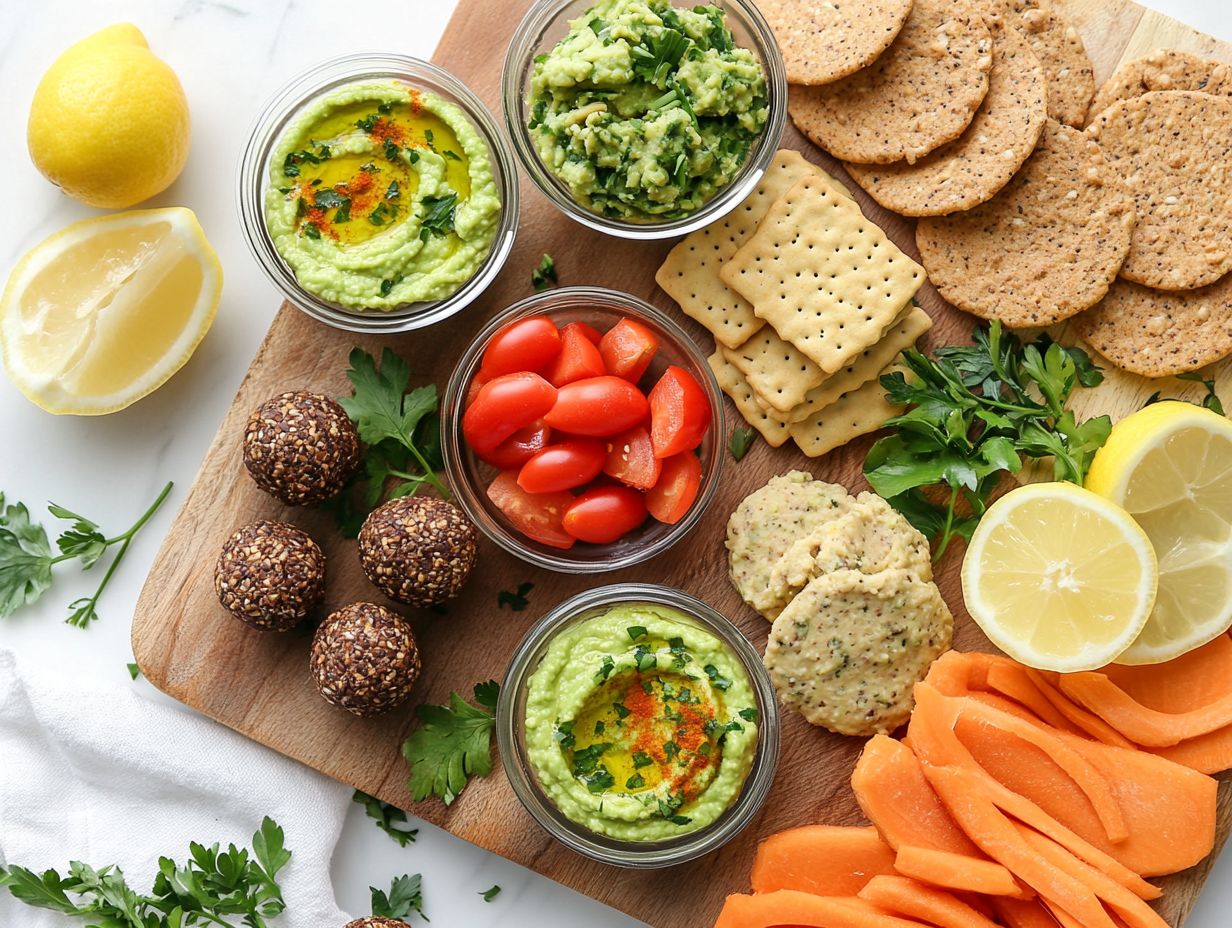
x=583 y=430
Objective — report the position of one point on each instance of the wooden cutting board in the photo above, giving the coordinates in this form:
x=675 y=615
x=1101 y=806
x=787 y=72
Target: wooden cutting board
x=258 y=683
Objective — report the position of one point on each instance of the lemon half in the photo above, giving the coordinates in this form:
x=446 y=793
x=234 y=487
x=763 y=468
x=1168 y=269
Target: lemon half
x=106 y=310
x=1058 y=577
x=1170 y=466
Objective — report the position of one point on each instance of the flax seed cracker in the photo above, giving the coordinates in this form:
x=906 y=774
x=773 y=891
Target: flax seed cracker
x=863 y=410
x=824 y=40
x=921 y=93
x=971 y=169
x=826 y=278
x=1174 y=149
x=1163 y=69
x=772 y=428
x=1046 y=247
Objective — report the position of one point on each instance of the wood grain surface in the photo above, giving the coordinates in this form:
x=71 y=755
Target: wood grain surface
x=258 y=683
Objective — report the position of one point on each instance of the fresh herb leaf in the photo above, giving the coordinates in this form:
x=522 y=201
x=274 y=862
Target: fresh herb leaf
x=452 y=744
x=636 y=631
x=600 y=780
x=378 y=216
x=586 y=759
x=430 y=138
x=311 y=230
x=391 y=151
x=717 y=680
x=452 y=156
x=490 y=894
x=343 y=213
x=328 y=198
x=741 y=441
x=641 y=759
x=394 y=191
x=544 y=276
x=749 y=715
x=516 y=601
x=622 y=711
x=605 y=670
x=646 y=658
x=564 y=734
x=438 y=216
x=388 y=818
x=405 y=898
x=1211 y=401
x=637 y=781
x=661 y=52
x=134 y=671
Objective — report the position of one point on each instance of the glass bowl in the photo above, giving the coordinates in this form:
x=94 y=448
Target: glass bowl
x=469 y=476
x=510 y=731
x=254 y=182
x=547 y=22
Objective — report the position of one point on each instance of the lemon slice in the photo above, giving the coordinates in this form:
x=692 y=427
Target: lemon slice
x=1058 y=577
x=1170 y=466
x=106 y=310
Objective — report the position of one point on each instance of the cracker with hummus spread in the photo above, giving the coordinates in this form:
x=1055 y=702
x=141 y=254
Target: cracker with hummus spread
x=825 y=277
x=848 y=649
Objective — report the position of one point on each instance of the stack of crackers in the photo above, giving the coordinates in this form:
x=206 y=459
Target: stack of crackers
x=809 y=303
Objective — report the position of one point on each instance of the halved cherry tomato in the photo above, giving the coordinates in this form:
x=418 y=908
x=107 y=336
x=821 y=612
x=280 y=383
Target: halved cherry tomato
x=627 y=349
x=519 y=447
x=604 y=514
x=538 y=516
x=597 y=406
x=504 y=405
x=526 y=345
x=679 y=413
x=563 y=466
x=631 y=460
x=481 y=377
x=578 y=358
x=673 y=496
x=593 y=335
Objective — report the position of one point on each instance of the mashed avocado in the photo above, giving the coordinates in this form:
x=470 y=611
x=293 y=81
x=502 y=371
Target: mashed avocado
x=641 y=725
x=646 y=110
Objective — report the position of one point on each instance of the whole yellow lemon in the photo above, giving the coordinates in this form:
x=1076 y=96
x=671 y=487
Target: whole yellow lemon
x=109 y=121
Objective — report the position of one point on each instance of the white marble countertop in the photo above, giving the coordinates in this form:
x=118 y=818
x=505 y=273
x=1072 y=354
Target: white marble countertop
x=230 y=55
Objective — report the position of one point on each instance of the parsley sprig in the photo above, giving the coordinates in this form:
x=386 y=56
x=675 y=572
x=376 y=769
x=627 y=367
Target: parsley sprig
x=975 y=411
x=26 y=558
x=388 y=818
x=212 y=887
x=405 y=897
x=453 y=744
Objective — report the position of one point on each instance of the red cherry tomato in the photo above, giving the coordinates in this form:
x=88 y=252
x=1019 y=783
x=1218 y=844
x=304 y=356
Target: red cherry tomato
x=593 y=335
x=504 y=405
x=605 y=514
x=679 y=413
x=597 y=406
x=563 y=466
x=538 y=516
x=578 y=358
x=631 y=460
x=519 y=447
x=673 y=496
x=627 y=349
x=481 y=377
x=526 y=345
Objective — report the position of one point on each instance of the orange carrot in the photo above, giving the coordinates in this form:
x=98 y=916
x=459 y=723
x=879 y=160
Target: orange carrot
x=1209 y=753
x=1137 y=722
x=957 y=673
x=789 y=907
x=828 y=860
x=893 y=794
x=1015 y=913
x=957 y=872
x=904 y=896
x=1088 y=722
x=1010 y=679
x=1188 y=682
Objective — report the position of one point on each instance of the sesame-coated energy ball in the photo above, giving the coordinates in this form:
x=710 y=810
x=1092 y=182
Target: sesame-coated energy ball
x=301 y=448
x=270 y=575
x=365 y=659
x=418 y=550
x=375 y=921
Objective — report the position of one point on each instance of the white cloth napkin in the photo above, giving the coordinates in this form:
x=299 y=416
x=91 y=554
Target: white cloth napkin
x=104 y=776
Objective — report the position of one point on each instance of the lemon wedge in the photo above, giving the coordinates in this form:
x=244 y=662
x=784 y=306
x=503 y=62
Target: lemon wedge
x=1058 y=577
x=106 y=310
x=1170 y=466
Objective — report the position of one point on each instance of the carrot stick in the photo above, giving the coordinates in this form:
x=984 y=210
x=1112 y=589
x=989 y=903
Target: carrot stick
x=828 y=860
x=1090 y=723
x=789 y=907
x=1137 y=722
x=905 y=896
x=957 y=872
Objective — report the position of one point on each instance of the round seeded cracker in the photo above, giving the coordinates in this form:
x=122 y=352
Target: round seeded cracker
x=1043 y=249
x=971 y=169
x=1174 y=149
x=824 y=40
x=1163 y=69
x=921 y=93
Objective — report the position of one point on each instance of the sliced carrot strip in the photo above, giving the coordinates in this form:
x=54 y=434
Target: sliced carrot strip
x=905 y=896
x=1090 y=723
x=957 y=872
x=1137 y=722
x=1209 y=753
x=957 y=673
x=791 y=907
x=1189 y=682
x=1015 y=913
x=894 y=795
x=828 y=860
x=1011 y=679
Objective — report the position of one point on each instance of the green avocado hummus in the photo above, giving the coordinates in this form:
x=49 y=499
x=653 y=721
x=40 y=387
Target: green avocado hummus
x=646 y=110
x=380 y=195
x=640 y=725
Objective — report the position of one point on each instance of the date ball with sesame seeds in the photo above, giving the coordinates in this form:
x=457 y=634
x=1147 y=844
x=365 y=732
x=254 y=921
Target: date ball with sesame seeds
x=375 y=921
x=301 y=448
x=270 y=575
x=365 y=659
x=418 y=550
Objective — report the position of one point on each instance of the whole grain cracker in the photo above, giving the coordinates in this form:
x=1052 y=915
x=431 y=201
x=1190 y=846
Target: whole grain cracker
x=903 y=333
x=1046 y=247
x=1174 y=149
x=1059 y=48
x=732 y=382
x=921 y=93
x=863 y=410
x=776 y=371
x=825 y=277
x=1157 y=333
x=690 y=273
x=972 y=168
x=1163 y=69
x=824 y=40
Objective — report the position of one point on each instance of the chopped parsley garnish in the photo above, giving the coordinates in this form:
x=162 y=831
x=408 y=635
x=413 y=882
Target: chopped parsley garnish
x=606 y=669
x=544 y=276
x=516 y=601
x=378 y=216
x=328 y=198
x=394 y=191
x=741 y=441
x=622 y=711
x=450 y=155
x=646 y=658
x=670 y=750
x=749 y=715
x=680 y=656
x=636 y=632
x=388 y=284
x=586 y=759
x=369 y=168
x=438 y=216
x=134 y=671
x=392 y=150
x=564 y=734
x=600 y=780
x=312 y=232
x=390 y=819
x=343 y=213
x=384 y=108
x=293 y=160
x=490 y=894
x=641 y=759
x=718 y=681
x=655 y=60
x=637 y=781
x=430 y=139
x=600 y=727
x=368 y=123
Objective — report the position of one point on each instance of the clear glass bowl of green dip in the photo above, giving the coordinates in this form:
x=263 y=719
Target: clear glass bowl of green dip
x=753 y=710
x=281 y=113
x=547 y=22
x=469 y=477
